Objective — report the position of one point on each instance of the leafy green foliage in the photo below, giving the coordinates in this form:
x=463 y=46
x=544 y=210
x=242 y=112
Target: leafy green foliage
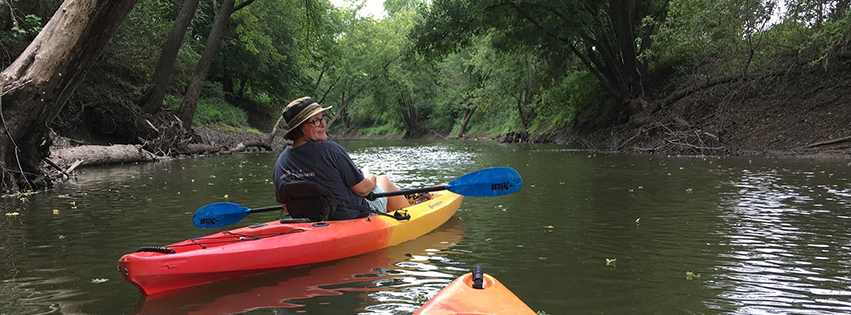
x=21 y=33
x=427 y=64
x=214 y=109
x=141 y=36
x=217 y=110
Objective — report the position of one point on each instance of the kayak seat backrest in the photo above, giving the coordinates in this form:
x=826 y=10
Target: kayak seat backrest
x=306 y=199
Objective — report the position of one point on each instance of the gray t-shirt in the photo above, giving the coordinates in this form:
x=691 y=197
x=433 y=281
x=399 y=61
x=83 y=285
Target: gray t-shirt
x=325 y=163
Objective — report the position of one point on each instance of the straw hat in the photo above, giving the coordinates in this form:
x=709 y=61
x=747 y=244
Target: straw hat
x=298 y=111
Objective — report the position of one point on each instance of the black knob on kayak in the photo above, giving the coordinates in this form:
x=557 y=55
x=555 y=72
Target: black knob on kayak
x=478 y=277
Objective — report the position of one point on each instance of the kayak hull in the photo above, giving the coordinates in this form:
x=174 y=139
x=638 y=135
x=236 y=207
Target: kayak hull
x=459 y=297
x=273 y=245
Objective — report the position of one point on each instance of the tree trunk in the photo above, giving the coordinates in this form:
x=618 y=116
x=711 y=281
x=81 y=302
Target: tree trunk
x=152 y=100
x=242 y=85
x=346 y=102
x=526 y=96
x=411 y=116
x=274 y=132
x=467 y=115
x=36 y=86
x=193 y=92
x=211 y=47
x=339 y=112
x=520 y=111
x=627 y=66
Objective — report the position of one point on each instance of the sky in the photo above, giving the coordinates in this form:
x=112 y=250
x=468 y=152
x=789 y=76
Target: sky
x=373 y=8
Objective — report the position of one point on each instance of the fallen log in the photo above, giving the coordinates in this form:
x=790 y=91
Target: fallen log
x=99 y=154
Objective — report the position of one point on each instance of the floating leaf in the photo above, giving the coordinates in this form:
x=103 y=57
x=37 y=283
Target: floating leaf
x=226 y=196
x=691 y=275
x=611 y=262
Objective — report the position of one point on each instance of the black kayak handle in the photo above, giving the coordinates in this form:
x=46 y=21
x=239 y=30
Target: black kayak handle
x=478 y=277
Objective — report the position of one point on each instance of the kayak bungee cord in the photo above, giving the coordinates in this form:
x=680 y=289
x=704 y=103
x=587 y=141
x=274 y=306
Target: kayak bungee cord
x=226 y=237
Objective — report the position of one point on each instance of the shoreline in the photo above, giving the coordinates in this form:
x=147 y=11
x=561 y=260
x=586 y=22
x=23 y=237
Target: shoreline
x=221 y=142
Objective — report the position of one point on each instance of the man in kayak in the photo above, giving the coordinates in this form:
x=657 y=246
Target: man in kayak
x=312 y=157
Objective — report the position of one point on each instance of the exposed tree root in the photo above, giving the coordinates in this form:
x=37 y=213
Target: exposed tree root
x=834 y=141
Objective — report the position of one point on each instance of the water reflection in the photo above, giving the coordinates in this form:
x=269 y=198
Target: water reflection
x=780 y=260
x=414 y=164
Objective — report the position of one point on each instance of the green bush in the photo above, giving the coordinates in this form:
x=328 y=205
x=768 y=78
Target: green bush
x=384 y=130
x=217 y=110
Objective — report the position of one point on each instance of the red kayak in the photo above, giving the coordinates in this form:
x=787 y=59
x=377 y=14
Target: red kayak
x=475 y=293
x=274 y=245
x=291 y=287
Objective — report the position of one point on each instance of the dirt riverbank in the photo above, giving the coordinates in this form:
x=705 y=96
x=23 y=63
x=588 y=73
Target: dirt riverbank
x=802 y=112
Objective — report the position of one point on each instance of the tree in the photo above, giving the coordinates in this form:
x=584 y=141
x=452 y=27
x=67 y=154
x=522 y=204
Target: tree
x=193 y=92
x=38 y=83
x=368 y=49
x=608 y=38
x=152 y=99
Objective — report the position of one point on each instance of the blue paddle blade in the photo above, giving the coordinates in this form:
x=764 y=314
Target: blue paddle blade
x=219 y=214
x=489 y=182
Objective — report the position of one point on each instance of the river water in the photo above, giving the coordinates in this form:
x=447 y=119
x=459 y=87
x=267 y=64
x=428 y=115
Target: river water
x=589 y=233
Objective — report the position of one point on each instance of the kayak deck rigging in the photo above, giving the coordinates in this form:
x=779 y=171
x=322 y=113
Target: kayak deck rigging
x=225 y=237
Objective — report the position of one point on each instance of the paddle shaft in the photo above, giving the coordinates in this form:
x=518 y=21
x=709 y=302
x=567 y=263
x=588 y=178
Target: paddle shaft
x=374 y=196
x=405 y=192
x=265 y=209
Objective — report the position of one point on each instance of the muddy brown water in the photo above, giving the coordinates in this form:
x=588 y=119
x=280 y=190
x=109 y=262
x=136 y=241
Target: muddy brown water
x=589 y=233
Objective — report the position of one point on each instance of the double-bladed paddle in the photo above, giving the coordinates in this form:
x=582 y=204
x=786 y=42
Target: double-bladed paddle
x=489 y=182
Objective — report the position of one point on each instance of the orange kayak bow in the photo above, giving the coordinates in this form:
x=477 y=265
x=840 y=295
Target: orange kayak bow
x=475 y=293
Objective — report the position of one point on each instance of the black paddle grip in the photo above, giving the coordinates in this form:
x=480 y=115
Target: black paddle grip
x=478 y=277
x=373 y=196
